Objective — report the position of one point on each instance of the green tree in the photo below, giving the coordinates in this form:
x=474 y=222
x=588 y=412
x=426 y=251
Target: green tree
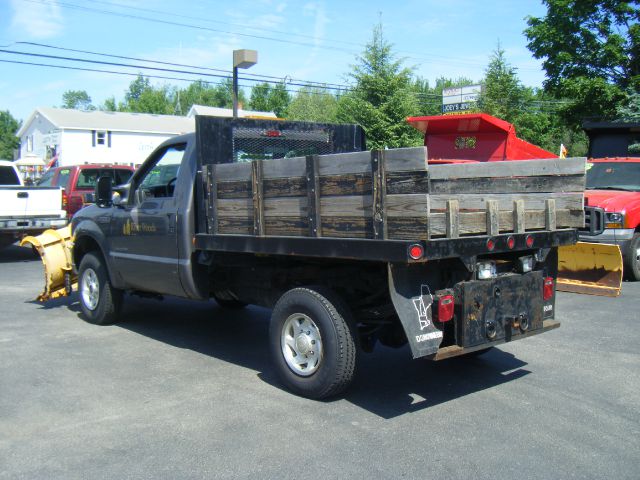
x=267 y=98
x=503 y=95
x=382 y=98
x=591 y=54
x=313 y=105
x=8 y=140
x=77 y=99
x=259 y=99
x=630 y=111
x=139 y=85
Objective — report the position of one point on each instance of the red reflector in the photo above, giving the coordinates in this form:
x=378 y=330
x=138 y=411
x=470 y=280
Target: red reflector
x=491 y=244
x=511 y=242
x=547 y=289
x=416 y=251
x=272 y=133
x=529 y=241
x=445 y=308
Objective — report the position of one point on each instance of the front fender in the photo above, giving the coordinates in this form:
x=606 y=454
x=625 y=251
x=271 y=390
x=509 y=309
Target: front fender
x=89 y=236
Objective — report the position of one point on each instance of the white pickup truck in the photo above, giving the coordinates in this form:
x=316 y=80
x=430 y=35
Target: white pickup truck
x=27 y=210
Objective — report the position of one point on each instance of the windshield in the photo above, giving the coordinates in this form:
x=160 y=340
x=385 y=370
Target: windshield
x=613 y=176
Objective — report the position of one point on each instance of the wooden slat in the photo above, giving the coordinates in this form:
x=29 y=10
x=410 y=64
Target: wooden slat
x=484 y=185
x=550 y=214
x=407 y=182
x=354 y=206
x=232 y=172
x=518 y=216
x=235 y=225
x=407 y=228
x=406 y=159
x=313 y=196
x=258 y=198
x=408 y=205
x=532 y=201
x=347 y=227
x=348 y=184
x=237 y=189
x=345 y=163
x=520 y=168
x=493 y=221
x=452 y=218
x=284 y=168
x=286 y=226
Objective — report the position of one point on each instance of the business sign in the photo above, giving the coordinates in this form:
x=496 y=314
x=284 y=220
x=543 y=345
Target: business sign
x=51 y=139
x=459 y=99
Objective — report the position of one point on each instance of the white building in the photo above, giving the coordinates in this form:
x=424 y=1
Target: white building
x=227 y=112
x=79 y=137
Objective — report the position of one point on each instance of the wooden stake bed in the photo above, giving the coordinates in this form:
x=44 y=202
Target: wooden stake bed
x=392 y=195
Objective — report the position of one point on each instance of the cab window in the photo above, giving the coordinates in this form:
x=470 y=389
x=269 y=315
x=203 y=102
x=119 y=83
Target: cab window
x=160 y=179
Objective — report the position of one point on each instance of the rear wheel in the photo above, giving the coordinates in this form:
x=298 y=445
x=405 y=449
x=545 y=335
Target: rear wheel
x=632 y=259
x=100 y=302
x=313 y=343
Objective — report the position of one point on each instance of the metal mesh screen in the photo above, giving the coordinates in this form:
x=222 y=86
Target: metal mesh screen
x=263 y=144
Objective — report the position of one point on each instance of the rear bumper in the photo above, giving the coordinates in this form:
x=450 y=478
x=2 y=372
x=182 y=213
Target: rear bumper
x=456 y=350
x=20 y=226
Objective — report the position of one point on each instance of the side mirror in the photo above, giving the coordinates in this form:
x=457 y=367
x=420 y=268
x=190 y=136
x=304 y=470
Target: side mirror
x=104 y=192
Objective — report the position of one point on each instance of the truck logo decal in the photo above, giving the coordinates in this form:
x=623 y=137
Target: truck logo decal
x=428 y=336
x=422 y=307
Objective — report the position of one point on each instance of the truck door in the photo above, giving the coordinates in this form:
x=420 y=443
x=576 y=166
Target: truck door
x=144 y=244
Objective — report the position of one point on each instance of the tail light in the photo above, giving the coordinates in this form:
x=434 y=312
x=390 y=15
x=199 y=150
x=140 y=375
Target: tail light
x=416 y=251
x=446 y=304
x=65 y=200
x=547 y=289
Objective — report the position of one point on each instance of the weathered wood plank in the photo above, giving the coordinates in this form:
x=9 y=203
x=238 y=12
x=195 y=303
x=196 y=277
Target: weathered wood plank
x=493 y=220
x=345 y=163
x=235 y=226
x=257 y=198
x=348 y=184
x=287 y=227
x=237 y=189
x=406 y=159
x=347 y=227
x=538 y=184
x=518 y=216
x=285 y=168
x=407 y=205
x=313 y=196
x=520 y=168
x=347 y=206
x=532 y=201
x=232 y=172
x=408 y=228
x=453 y=219
x=235 y=207
x=550 y=214
x=407 y=182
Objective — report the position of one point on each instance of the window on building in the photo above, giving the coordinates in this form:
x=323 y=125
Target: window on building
x=29 y=143
x=101 y=138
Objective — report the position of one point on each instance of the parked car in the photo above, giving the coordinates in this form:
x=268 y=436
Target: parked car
x=26 y=210
x=79 y=181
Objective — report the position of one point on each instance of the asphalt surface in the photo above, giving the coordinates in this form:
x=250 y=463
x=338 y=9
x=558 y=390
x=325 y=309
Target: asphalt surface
x=185 y=390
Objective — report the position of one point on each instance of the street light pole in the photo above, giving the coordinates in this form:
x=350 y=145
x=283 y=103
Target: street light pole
x=241 y=59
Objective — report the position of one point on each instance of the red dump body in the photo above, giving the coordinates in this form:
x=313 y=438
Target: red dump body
x=474 y=136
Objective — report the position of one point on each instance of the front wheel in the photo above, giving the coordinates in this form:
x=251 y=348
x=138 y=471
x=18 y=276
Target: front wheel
x=632 y=259
x=313 y=343
x=99 y=301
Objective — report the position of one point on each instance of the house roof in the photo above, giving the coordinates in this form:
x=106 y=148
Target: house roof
x=68 y=119
x=226 y=112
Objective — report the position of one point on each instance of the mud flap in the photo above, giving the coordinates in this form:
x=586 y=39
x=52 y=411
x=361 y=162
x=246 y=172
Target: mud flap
x=413 y=299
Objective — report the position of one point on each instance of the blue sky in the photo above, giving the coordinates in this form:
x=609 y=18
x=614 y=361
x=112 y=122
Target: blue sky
x=307 y=40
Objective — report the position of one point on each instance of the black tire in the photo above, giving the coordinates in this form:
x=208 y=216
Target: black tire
x=336 y=364
x=94 y=285
x=632 y=259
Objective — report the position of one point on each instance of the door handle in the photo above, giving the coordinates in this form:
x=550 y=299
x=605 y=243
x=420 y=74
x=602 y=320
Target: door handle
x=23 y=195
x=171 y=218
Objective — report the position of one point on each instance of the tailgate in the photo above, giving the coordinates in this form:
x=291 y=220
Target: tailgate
x=13 y=202
x=44 y=202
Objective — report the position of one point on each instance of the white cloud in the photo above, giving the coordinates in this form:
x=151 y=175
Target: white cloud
x=36 y=20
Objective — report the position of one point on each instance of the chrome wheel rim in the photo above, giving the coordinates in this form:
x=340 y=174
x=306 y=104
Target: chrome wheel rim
x=301 y=344
x=90 y=289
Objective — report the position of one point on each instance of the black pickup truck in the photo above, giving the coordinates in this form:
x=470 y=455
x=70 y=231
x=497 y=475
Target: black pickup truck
x=348 y=247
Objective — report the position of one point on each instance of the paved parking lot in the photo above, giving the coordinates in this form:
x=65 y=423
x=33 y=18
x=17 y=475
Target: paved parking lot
x=185 y=390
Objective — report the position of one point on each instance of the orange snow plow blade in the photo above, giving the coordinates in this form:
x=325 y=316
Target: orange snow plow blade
x=55 y=247
x=591 y=268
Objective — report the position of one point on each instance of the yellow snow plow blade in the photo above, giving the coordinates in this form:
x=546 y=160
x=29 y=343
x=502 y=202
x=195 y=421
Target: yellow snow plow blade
x=54 y=247
x=591 y=268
